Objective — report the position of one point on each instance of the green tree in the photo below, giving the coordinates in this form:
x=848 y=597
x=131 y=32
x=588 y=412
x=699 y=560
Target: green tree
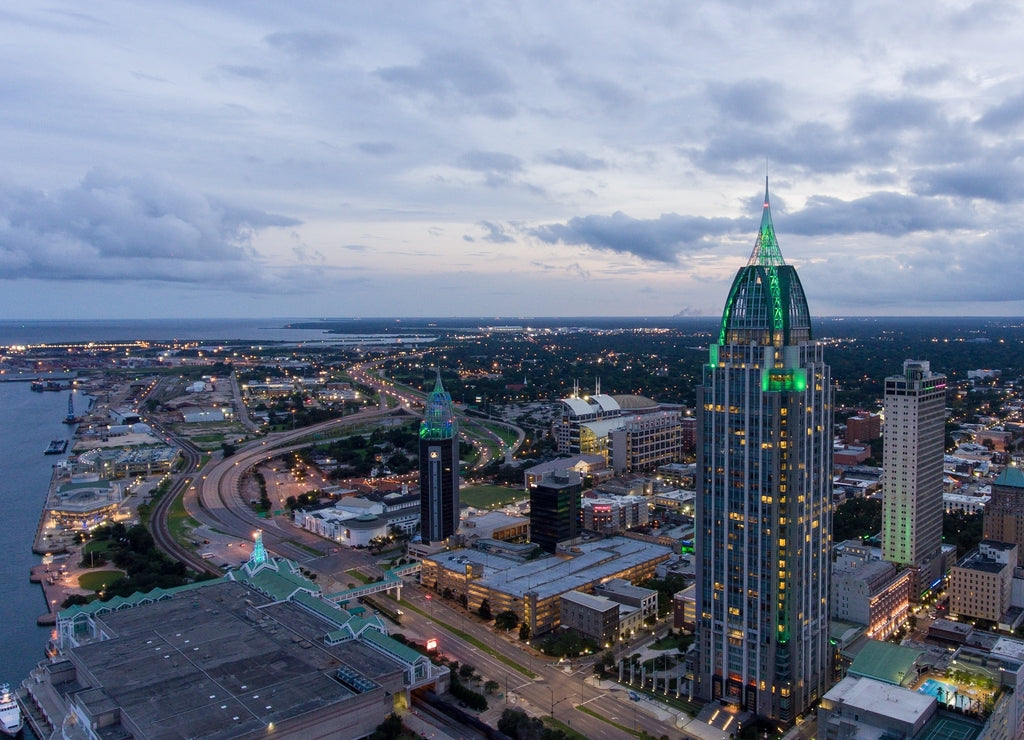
x=485 y=610
x=389 y=729
x=524 y=631
x=962 y=529
x=506 y=620
x=857 y=518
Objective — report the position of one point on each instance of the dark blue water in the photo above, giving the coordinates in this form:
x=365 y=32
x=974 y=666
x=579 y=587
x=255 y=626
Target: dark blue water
x=57 y=332
x=28 y=421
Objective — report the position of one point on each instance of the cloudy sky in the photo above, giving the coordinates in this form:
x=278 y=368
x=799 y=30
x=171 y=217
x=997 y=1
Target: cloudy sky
x=251 y=159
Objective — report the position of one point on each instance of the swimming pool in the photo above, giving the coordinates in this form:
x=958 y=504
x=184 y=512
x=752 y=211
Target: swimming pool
x=949 y=694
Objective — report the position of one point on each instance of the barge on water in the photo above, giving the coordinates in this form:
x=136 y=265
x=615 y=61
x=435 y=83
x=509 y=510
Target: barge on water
x=56 y=447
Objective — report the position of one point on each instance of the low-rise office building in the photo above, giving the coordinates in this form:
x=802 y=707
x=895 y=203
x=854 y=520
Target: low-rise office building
x=625 y=593
x=592 y=616
x=532 y=589
x=643 y=442
x=612 y=514
x=873 y=593
x=865 y=708
x=980 y=585
x=684 y=608
x=586 y=466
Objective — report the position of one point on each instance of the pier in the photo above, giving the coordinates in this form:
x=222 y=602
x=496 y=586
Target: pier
x=59 y=580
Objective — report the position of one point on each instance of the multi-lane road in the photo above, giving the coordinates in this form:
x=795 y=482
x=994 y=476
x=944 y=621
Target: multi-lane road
x=213 y=496
x=475 y=430
x=558 y=689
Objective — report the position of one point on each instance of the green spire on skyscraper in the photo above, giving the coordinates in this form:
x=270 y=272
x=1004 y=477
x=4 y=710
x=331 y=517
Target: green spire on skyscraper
x=766 y=303
x=438 y=414
x=766 y=248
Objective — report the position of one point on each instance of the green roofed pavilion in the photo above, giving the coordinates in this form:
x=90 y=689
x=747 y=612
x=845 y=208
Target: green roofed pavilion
x=883 y=661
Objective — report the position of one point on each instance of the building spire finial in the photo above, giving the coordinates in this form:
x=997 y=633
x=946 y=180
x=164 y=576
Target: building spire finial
x=766 y=248
x=259 y=552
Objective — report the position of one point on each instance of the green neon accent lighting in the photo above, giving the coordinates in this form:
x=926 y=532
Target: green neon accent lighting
x=766 y=248
x=438 y=414
x=766 y=303
x=728 y=310
x=767 y=254
x=714 y=355
x=784 y=380
x=778 y=321
x=259 y=552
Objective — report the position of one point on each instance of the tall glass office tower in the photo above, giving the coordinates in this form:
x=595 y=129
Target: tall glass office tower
x=764 y=517
x=439 y=467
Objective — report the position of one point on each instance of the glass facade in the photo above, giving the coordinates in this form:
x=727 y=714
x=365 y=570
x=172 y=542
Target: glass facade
x=555 y=509
x=439 y=467
x=764 y=517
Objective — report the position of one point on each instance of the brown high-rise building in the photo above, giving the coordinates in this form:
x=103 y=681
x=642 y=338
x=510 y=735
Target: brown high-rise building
x=1004 y=514
x=863 y=427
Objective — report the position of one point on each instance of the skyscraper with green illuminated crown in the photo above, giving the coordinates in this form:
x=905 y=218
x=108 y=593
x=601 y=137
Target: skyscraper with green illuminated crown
x=439 y=467
x=764 y=520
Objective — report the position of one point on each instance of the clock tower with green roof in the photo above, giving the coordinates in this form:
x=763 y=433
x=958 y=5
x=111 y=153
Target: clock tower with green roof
x=439 y=467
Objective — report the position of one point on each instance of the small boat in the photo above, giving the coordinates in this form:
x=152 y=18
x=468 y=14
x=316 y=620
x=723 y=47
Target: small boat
x=56 y=447
x=10 y=713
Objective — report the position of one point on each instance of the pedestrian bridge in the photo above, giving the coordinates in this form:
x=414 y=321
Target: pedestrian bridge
x=392 y=580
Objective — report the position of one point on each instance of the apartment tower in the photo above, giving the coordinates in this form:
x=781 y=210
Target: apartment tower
x=764 y=484
x=913 y=437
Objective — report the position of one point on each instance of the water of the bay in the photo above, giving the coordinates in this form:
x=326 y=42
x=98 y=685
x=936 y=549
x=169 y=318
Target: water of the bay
x=28 y=421
x=104 y=330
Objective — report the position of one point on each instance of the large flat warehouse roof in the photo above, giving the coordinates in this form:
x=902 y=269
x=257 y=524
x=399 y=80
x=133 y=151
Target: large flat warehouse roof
x=221 y=660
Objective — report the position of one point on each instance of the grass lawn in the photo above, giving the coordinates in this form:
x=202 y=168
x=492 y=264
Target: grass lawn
x=357 y=575
x=489 y=497
x=96 y=546
x=179 y=523
x=505 y=433
x=570 y=733
x=677 y=641
x=95 y=580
